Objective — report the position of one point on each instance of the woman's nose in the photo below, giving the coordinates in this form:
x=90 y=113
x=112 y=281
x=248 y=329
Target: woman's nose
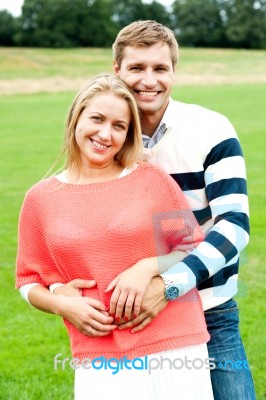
x=105 y=132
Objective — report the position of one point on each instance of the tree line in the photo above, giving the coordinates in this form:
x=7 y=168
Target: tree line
x=95 y=23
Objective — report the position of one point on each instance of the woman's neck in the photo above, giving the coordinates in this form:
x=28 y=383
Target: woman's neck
x=88 y=174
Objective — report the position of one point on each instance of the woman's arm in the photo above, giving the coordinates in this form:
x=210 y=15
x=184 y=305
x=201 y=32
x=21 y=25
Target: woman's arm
x=83 y=312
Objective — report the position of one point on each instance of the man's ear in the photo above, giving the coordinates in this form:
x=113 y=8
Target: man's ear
x=116 y=68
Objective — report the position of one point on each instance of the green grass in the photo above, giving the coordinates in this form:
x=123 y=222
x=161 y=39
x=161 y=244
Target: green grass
x=31 y=132
x=38 y=63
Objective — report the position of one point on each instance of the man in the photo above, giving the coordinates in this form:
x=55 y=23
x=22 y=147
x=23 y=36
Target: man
x=200 y=150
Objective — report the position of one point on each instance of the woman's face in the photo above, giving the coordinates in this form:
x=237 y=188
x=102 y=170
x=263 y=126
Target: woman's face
x=102 y=129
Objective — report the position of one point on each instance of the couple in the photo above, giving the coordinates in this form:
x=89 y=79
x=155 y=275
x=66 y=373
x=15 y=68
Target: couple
x=113 y=218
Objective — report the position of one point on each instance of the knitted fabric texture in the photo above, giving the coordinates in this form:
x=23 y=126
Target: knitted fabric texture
x=97 y=230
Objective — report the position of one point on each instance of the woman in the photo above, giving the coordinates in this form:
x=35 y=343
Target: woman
x=110 y=219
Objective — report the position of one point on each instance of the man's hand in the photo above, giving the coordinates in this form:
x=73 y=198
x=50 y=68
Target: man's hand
x=129 y=288
x=152 y=304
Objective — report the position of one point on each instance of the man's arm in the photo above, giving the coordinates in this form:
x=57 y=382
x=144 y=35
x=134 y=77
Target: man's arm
x=226 y=192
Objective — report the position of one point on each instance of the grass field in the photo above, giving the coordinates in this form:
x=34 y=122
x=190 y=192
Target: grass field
x=31 y=131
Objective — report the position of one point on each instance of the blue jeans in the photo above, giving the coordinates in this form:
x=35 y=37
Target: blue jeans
x=231 y=379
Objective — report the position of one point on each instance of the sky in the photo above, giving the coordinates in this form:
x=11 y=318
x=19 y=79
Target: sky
x=14 y=6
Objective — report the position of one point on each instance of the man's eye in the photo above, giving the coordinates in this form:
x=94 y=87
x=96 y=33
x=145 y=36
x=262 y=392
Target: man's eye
x=135 y=69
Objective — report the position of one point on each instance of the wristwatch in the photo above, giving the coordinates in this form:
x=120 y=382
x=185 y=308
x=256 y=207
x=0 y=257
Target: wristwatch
x=171 y=291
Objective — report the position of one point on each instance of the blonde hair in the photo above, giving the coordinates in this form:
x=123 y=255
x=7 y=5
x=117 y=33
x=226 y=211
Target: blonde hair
x=95 y=86
x=144 y=33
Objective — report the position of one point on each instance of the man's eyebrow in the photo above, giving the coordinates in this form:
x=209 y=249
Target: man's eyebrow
x=140 y=64
x=165 y=65
x=135 y=64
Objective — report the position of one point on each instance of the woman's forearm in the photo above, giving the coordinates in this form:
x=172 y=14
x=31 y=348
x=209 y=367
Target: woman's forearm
x=84 y=313
x=41 y=298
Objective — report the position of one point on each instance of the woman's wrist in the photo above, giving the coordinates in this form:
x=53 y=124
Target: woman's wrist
x=151 y=266
x=60 y=304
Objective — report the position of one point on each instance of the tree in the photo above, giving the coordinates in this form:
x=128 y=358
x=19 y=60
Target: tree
x=100 y=29
x=7 y=28
x=245 y=23
x=66 y=23
x=198 y=22
x=156 y=11
x=125 y=12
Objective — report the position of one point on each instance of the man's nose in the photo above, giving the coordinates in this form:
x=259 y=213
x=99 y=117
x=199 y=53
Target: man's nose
x=149 y=79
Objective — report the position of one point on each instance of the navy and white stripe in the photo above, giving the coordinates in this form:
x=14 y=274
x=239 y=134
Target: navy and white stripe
x=202 y=153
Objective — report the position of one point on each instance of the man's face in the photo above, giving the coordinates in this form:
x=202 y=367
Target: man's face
x=149 y=72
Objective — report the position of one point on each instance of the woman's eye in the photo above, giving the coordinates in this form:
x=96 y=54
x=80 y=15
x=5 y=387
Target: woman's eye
x=96 y=118
x=121 y=127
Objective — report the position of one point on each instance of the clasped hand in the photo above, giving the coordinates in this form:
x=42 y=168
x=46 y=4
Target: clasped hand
x=136 y=299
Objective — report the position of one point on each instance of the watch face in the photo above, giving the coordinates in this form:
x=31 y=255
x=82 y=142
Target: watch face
x=172 y=293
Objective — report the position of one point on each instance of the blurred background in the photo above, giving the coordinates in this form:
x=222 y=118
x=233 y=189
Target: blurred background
x=197 y=23
x=48 y=48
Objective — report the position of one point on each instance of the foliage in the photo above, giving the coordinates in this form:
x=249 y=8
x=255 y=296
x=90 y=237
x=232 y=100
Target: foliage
x=220 y=23
x=245 y=23
x=64 y=23
x=158 y=12
x=198 y=23
x=125 y=12
x=81 y=23
x=7 y=28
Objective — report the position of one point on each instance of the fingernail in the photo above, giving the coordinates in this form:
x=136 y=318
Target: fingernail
x=112 y=315
x=126 y=318
x=135 y=315
x=117 y=319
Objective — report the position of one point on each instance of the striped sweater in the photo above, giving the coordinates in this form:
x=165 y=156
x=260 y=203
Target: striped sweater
x=97 y=230
x=201 y=151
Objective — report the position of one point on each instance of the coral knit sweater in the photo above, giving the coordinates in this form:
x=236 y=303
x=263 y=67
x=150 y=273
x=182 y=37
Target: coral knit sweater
x=97 y=230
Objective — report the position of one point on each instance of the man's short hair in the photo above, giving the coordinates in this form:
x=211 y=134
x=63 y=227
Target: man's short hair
x=144 y=33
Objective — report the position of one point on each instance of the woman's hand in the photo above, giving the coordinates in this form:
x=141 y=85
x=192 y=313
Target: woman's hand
x=74 y=288
x=129 y=288
x=88 y=315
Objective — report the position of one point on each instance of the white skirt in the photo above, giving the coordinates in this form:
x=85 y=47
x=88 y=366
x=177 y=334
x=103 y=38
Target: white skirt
x=182 y=373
